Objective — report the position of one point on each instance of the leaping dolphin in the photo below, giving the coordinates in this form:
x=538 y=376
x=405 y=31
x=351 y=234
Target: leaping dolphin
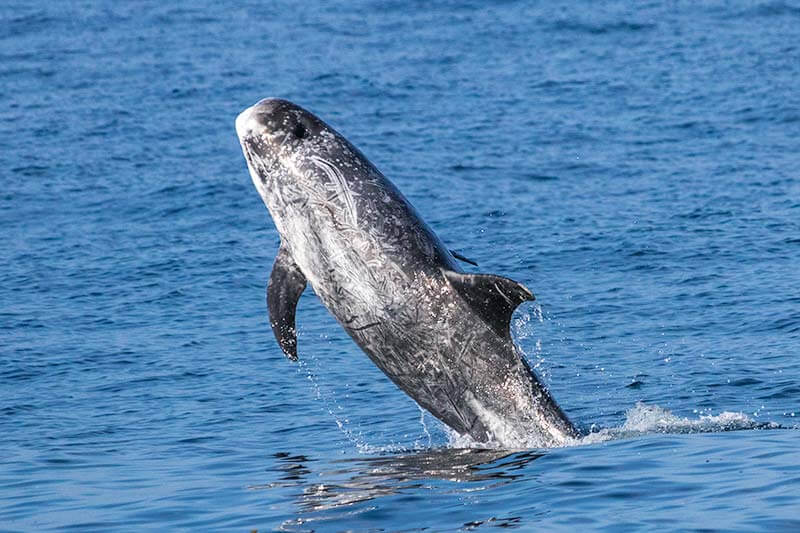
x=440 y=334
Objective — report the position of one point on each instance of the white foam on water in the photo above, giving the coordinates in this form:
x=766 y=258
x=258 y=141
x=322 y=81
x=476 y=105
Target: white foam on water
x=509 y=440
x=643 y=419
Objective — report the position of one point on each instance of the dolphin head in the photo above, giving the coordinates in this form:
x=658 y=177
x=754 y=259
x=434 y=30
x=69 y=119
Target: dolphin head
x=275 y=127
x=272 y=133
x=283 y=141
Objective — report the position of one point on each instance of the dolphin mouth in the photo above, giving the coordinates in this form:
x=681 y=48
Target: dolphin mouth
x=254 y=138
x=248 y=154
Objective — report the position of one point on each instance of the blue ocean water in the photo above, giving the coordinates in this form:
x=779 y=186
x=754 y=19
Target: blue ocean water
x=635 y=164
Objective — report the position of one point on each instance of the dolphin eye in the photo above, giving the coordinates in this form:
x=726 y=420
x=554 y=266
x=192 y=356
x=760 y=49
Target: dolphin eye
x=300 y=131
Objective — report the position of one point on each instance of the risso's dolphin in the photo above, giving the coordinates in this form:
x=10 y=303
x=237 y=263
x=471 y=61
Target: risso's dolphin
x=440 y=334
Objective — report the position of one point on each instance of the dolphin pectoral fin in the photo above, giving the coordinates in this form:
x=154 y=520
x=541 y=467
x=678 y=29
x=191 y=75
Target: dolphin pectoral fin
x=494 y=298
x=286 y=284
x=462 y=258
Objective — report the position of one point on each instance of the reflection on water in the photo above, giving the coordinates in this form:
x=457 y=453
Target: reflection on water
x=320 y=491
x=293 y=467
x=349 y=481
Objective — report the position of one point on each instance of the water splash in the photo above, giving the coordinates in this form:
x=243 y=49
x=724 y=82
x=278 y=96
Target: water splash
x=327 y=397
x=331 y=405
x=427 y=433
x=643 y=419
x=523 y=328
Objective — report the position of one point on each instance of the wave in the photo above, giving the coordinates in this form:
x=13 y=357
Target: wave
x=601 y=28
x=768 y=9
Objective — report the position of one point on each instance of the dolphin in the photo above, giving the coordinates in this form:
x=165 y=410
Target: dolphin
x=439 y=333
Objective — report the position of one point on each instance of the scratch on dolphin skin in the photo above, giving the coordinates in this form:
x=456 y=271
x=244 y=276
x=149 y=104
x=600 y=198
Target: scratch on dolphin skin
x=459 y=414
x=362 y=328
x=335 y=175
x=506 y=298
x=302 y=202
x=464 y=347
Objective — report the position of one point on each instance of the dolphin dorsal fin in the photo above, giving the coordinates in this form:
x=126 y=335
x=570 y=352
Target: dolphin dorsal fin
x=286 y=284
x=494 y=298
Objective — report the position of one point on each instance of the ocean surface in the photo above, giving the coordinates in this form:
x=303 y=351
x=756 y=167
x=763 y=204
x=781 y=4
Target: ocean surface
x=637 y=165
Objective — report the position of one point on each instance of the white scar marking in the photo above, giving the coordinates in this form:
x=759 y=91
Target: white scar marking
x=336 y=177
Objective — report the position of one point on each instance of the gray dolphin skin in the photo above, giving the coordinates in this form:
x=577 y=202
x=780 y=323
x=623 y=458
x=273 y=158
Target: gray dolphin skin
x=440 y=334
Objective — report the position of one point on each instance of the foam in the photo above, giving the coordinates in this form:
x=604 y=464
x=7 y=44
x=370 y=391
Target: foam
x=643 y=419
